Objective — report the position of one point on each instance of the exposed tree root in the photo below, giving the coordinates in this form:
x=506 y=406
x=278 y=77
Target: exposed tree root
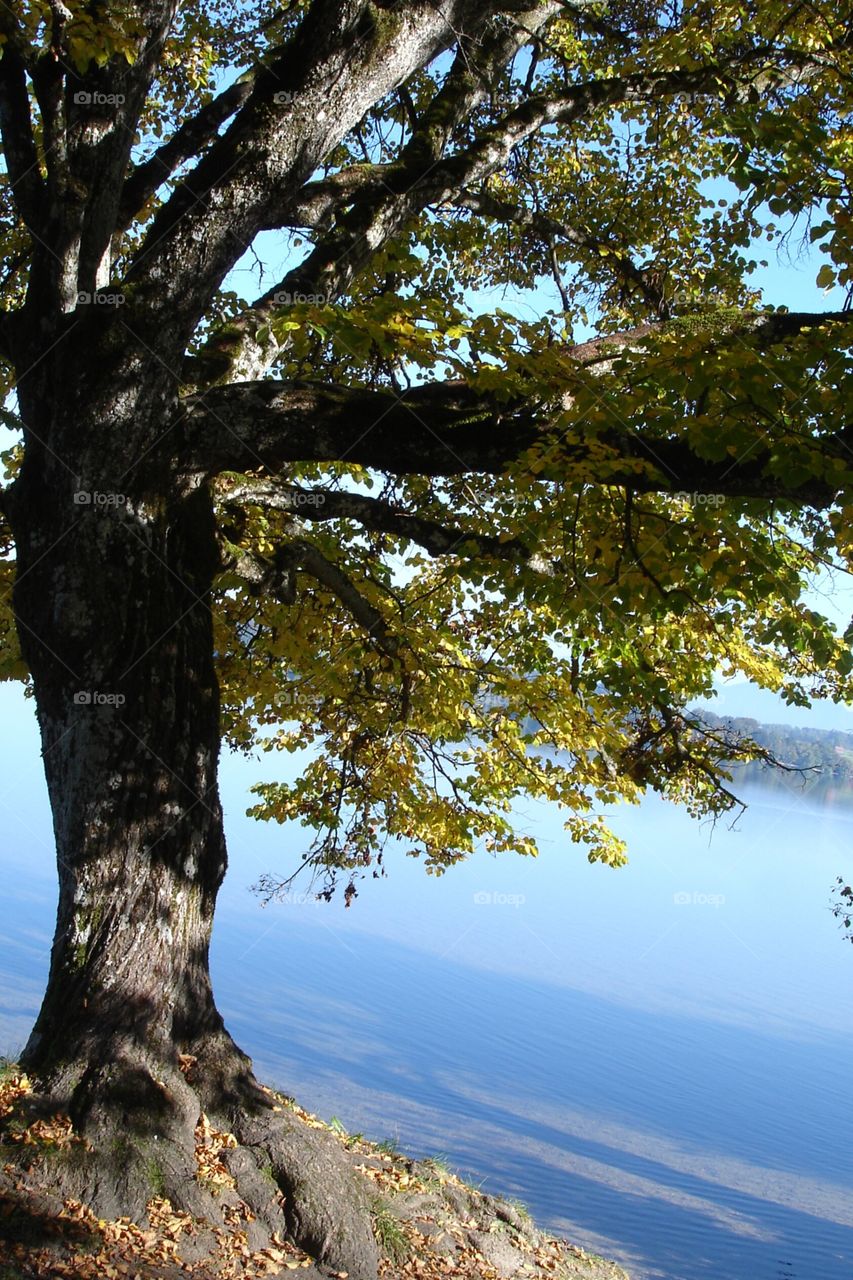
x=134 y=1137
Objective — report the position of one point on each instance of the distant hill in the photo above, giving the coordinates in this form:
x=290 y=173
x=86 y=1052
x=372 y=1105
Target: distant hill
x=829 y=750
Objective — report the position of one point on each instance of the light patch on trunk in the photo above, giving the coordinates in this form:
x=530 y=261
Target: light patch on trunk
x=102 y=275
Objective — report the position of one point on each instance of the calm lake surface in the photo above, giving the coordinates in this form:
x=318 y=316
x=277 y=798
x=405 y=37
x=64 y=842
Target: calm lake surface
x=656 y=1060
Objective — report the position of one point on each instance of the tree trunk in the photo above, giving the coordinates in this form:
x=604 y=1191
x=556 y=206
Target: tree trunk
x=115 y=626
x=112 y=601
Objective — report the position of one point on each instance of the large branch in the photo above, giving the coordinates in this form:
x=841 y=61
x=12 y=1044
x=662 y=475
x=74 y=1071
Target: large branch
x=89 y=121
x=438 y=537
x=185 y=144
x=253 y=171
x=343 y=59
x=19 y=148
x=445 y=429
x=361 y=208
x=440 y=429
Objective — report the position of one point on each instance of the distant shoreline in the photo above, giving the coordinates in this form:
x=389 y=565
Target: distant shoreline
x=827 y=754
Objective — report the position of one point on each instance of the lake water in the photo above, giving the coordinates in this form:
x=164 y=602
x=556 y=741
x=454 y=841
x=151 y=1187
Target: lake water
x=656 y=1060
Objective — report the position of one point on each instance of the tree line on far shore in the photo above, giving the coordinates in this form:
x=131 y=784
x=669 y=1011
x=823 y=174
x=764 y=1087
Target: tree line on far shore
x=829 y=750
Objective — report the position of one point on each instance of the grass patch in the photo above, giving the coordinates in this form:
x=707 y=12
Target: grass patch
x=72 y=1154
x=340 y=1131
x=390 y=1236
x=388 y=1147
x=156 y=1180
x=521 y=1209
x=9 y=1068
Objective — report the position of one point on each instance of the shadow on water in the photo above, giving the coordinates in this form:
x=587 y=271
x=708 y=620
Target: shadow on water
x=635 y=1134
x=665 y=1215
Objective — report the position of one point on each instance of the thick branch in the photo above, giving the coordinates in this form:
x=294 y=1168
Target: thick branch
x=186 y=143
x=263 y=576
x=363 y=207
x=316 y=505
x=448 y=429
x=19 y=146
x=339 y=64
x=89 y=119
x=384 y=198
x=269 y=424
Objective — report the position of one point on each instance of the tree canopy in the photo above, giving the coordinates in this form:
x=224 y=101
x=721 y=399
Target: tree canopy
x=464 y=555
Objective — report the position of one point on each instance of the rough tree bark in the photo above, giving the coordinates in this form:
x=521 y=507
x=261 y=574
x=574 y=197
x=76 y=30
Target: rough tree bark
x=116 y=563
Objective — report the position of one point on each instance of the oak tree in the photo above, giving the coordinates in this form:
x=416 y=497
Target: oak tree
x=451 y=554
